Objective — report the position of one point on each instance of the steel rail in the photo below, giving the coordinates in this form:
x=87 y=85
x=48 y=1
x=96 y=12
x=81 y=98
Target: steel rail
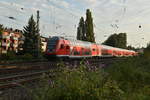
x=10 y=81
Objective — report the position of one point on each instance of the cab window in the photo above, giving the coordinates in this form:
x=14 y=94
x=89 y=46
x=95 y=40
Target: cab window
x=61 y=46
x=67 y=47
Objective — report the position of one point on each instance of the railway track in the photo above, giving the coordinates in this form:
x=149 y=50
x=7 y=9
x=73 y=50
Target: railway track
x=29 y=66
x=13 y=74
x=14 y=80
x=24 y=67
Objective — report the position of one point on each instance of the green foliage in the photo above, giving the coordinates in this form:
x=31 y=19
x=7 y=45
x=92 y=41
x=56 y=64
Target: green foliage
x=81 y=30
x=147 y=52
x=133 y=77
x=111 y=41
x=8 y=56
x=78 y=84
x=131 y=47
x=31 y=43
x=85 y=30
x=1 y=27
x=1 y=30
x=12 y=57
x=117 y=40
x=89 y=26
x=27 y=56
x=128 y=79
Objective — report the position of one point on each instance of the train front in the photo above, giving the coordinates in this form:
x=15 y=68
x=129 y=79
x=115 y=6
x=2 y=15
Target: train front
x=57 y=47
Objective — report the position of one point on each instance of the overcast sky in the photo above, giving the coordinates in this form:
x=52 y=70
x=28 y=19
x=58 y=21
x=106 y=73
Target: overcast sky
x=61 y=17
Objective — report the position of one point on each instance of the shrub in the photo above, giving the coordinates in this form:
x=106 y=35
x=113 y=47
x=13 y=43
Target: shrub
x=78 y=84
x=125 y=80
x=8 y=56
x=147 y=52
x=27 y=56
x=132 y=75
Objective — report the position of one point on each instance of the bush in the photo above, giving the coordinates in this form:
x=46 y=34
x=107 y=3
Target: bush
x=8 y=56
x=78 y=84
x=147 y=52
x=132 y=75
x=125 y=80
x=27 y=57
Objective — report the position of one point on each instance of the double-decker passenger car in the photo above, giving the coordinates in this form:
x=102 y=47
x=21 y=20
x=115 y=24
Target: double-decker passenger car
x=62 y=47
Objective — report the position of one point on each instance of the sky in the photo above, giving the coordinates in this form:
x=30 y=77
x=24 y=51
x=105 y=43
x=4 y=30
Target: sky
x=61 y=17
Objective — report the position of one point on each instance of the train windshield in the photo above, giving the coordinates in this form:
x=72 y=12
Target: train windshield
x=52 y=42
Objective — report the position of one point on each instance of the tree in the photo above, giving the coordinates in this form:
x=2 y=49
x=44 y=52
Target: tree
x=31 y=38
x=1 y=27
x=117 y=40
x=122 y=40
x=85 y=29
x=81 y=32
x=1 y=30
x=89 y=27
x=112 y=40
x=147 y=51
x=129 y=47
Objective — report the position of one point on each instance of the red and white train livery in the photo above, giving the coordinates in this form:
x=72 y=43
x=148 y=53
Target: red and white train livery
x=62 y=47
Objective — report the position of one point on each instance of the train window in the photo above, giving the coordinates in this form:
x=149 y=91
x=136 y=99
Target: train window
x=114 y=52
x=94 y=50
x=76 y=53
x=88 y=53
x=67 y=47
x=5 y=40
x=61 y=46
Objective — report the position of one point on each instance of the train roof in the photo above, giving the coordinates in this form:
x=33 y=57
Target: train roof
x=74 y=41
x=85 y=43
x=110 y=47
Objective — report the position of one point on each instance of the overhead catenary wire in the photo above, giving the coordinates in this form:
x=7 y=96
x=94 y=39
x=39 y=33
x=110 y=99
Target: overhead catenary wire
x=56 y=26
x=64 y=9
x=116 y=24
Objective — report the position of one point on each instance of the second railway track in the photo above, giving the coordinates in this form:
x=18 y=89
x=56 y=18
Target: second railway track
x=14 y=80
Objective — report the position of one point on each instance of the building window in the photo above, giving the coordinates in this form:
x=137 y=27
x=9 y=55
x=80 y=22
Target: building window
x=4 y=47
x=5 y=40
x=94 y=50
x=67 y=47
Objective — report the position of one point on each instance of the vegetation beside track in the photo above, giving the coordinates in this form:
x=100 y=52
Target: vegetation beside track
x=125 y=80
x=12 y=57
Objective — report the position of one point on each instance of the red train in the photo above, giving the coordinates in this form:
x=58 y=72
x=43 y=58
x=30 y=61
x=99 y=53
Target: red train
x=62 y=47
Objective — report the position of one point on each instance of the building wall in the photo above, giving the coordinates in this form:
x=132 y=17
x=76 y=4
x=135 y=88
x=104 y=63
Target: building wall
x=44 y=43
x=10 y=41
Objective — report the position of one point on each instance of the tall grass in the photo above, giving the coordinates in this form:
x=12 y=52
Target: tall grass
x=133 y=77
x=79 y=84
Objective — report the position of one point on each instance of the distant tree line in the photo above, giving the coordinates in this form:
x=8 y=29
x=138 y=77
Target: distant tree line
x=147 y=51
x=117 y=40
x=85 y=30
